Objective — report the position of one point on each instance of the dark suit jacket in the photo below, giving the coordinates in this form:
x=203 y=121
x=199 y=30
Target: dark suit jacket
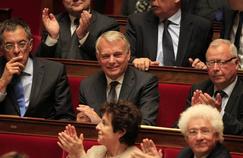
x=50 y=96
x=195 y=35
x=228 y=22
x=139 y=87
x=233 y=116
x=218 y=152
x=68 y=46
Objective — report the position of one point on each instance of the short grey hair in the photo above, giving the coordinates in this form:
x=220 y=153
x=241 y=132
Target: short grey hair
x=112 y=36
x=217 y=42
x=205 y=112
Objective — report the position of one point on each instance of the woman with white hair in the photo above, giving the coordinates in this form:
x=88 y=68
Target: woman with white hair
x=202 y=127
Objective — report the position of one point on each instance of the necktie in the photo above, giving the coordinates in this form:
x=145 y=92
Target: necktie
x=112 y=96
x=142 y=6
x=76 y=21
x=19 y=93
x=222 y=93
x=168 y=51
x=239 y=30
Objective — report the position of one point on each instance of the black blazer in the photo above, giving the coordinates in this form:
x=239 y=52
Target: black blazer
x=68 y=46
x=233 y=116
x=139 y=87
x=50 y=95
x=194 y=38
x=218 y=152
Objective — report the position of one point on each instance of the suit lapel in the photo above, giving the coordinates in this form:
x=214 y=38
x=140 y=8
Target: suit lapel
x=237 y=91
x=184 y=38
x=127 y=85
x=38 y=74
x=152 y=23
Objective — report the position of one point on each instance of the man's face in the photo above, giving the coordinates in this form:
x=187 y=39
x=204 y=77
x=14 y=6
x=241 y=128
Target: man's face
x=75 y=7
x=236 y=4
x=201 y=137
x=164 y=8
x=16 y=44
x=223 y=74
x=113 y=57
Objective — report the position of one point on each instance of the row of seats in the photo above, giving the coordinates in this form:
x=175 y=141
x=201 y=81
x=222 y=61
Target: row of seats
x=172 y=100
x=36 y=146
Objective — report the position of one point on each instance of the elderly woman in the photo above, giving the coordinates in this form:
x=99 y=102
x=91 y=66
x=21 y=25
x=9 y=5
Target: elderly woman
x=117 y=133
x=202 y=127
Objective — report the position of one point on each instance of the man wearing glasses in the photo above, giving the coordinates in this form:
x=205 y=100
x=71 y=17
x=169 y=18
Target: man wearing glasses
x=224 y=89
x=30 y=87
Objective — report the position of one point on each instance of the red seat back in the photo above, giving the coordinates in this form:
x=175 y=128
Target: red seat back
x=171 y=152
x=172 y=101
x=74 y=83
x=31 y=145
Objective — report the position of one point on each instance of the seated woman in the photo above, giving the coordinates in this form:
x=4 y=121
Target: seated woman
x=117 y=133
x=202 y=127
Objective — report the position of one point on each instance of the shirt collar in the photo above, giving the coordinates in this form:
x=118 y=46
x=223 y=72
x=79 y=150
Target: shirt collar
x=228 y=90
x=175 y=18
x=28 y=69
x=119 y=79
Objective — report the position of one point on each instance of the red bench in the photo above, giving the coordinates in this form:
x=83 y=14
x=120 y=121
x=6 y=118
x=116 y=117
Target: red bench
x=32 y=145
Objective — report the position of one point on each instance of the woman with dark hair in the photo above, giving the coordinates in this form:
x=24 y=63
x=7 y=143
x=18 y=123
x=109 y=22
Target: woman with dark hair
x=117 y=133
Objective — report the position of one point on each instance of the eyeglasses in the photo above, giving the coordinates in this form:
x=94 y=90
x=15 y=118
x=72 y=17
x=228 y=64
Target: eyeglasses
x=203 y=131
x=211 y=63
x=22 y=45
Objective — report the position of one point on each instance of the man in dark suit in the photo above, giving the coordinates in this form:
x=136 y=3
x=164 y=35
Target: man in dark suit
x=140 y=88
x=190 y=35
x=223 y=89
x=30 y=87
x=73 y=33
x=232 y=24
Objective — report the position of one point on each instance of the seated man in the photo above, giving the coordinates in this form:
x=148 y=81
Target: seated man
x=117 y=80
x=73 y=33
x=224 y=88
x=202 y=127
x=167 y=36
x=29 y=86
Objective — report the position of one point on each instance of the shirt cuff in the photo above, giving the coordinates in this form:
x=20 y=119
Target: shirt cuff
x=50 y=41
x=81 y=41
x=2 y=96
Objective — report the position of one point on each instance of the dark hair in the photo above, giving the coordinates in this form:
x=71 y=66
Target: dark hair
x=125 y=117
x=13 y=154
x=11 y=25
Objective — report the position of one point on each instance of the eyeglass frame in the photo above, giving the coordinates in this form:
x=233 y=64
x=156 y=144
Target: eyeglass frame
x=220 y=63
x=203 y=131
x=13 y=45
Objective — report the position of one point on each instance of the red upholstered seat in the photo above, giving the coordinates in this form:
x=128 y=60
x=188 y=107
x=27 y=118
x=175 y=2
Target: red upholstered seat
x=74 y=82
x=36 y=42
x=171 y=152
x=236 y=155
x=32 y=145
x=172 y=101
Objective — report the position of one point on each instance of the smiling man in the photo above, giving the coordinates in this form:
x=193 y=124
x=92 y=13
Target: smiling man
x=140 y=88
x=223 y=89
x=72 y=34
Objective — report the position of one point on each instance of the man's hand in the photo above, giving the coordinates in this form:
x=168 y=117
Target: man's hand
x=84 y=22
x=86 y=113
x=50 y=23
x=12 y=67
x=204 y=98
x=197 y=64
x=144 y=63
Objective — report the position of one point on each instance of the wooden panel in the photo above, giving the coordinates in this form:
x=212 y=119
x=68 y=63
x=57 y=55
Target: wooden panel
x=161 y=136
